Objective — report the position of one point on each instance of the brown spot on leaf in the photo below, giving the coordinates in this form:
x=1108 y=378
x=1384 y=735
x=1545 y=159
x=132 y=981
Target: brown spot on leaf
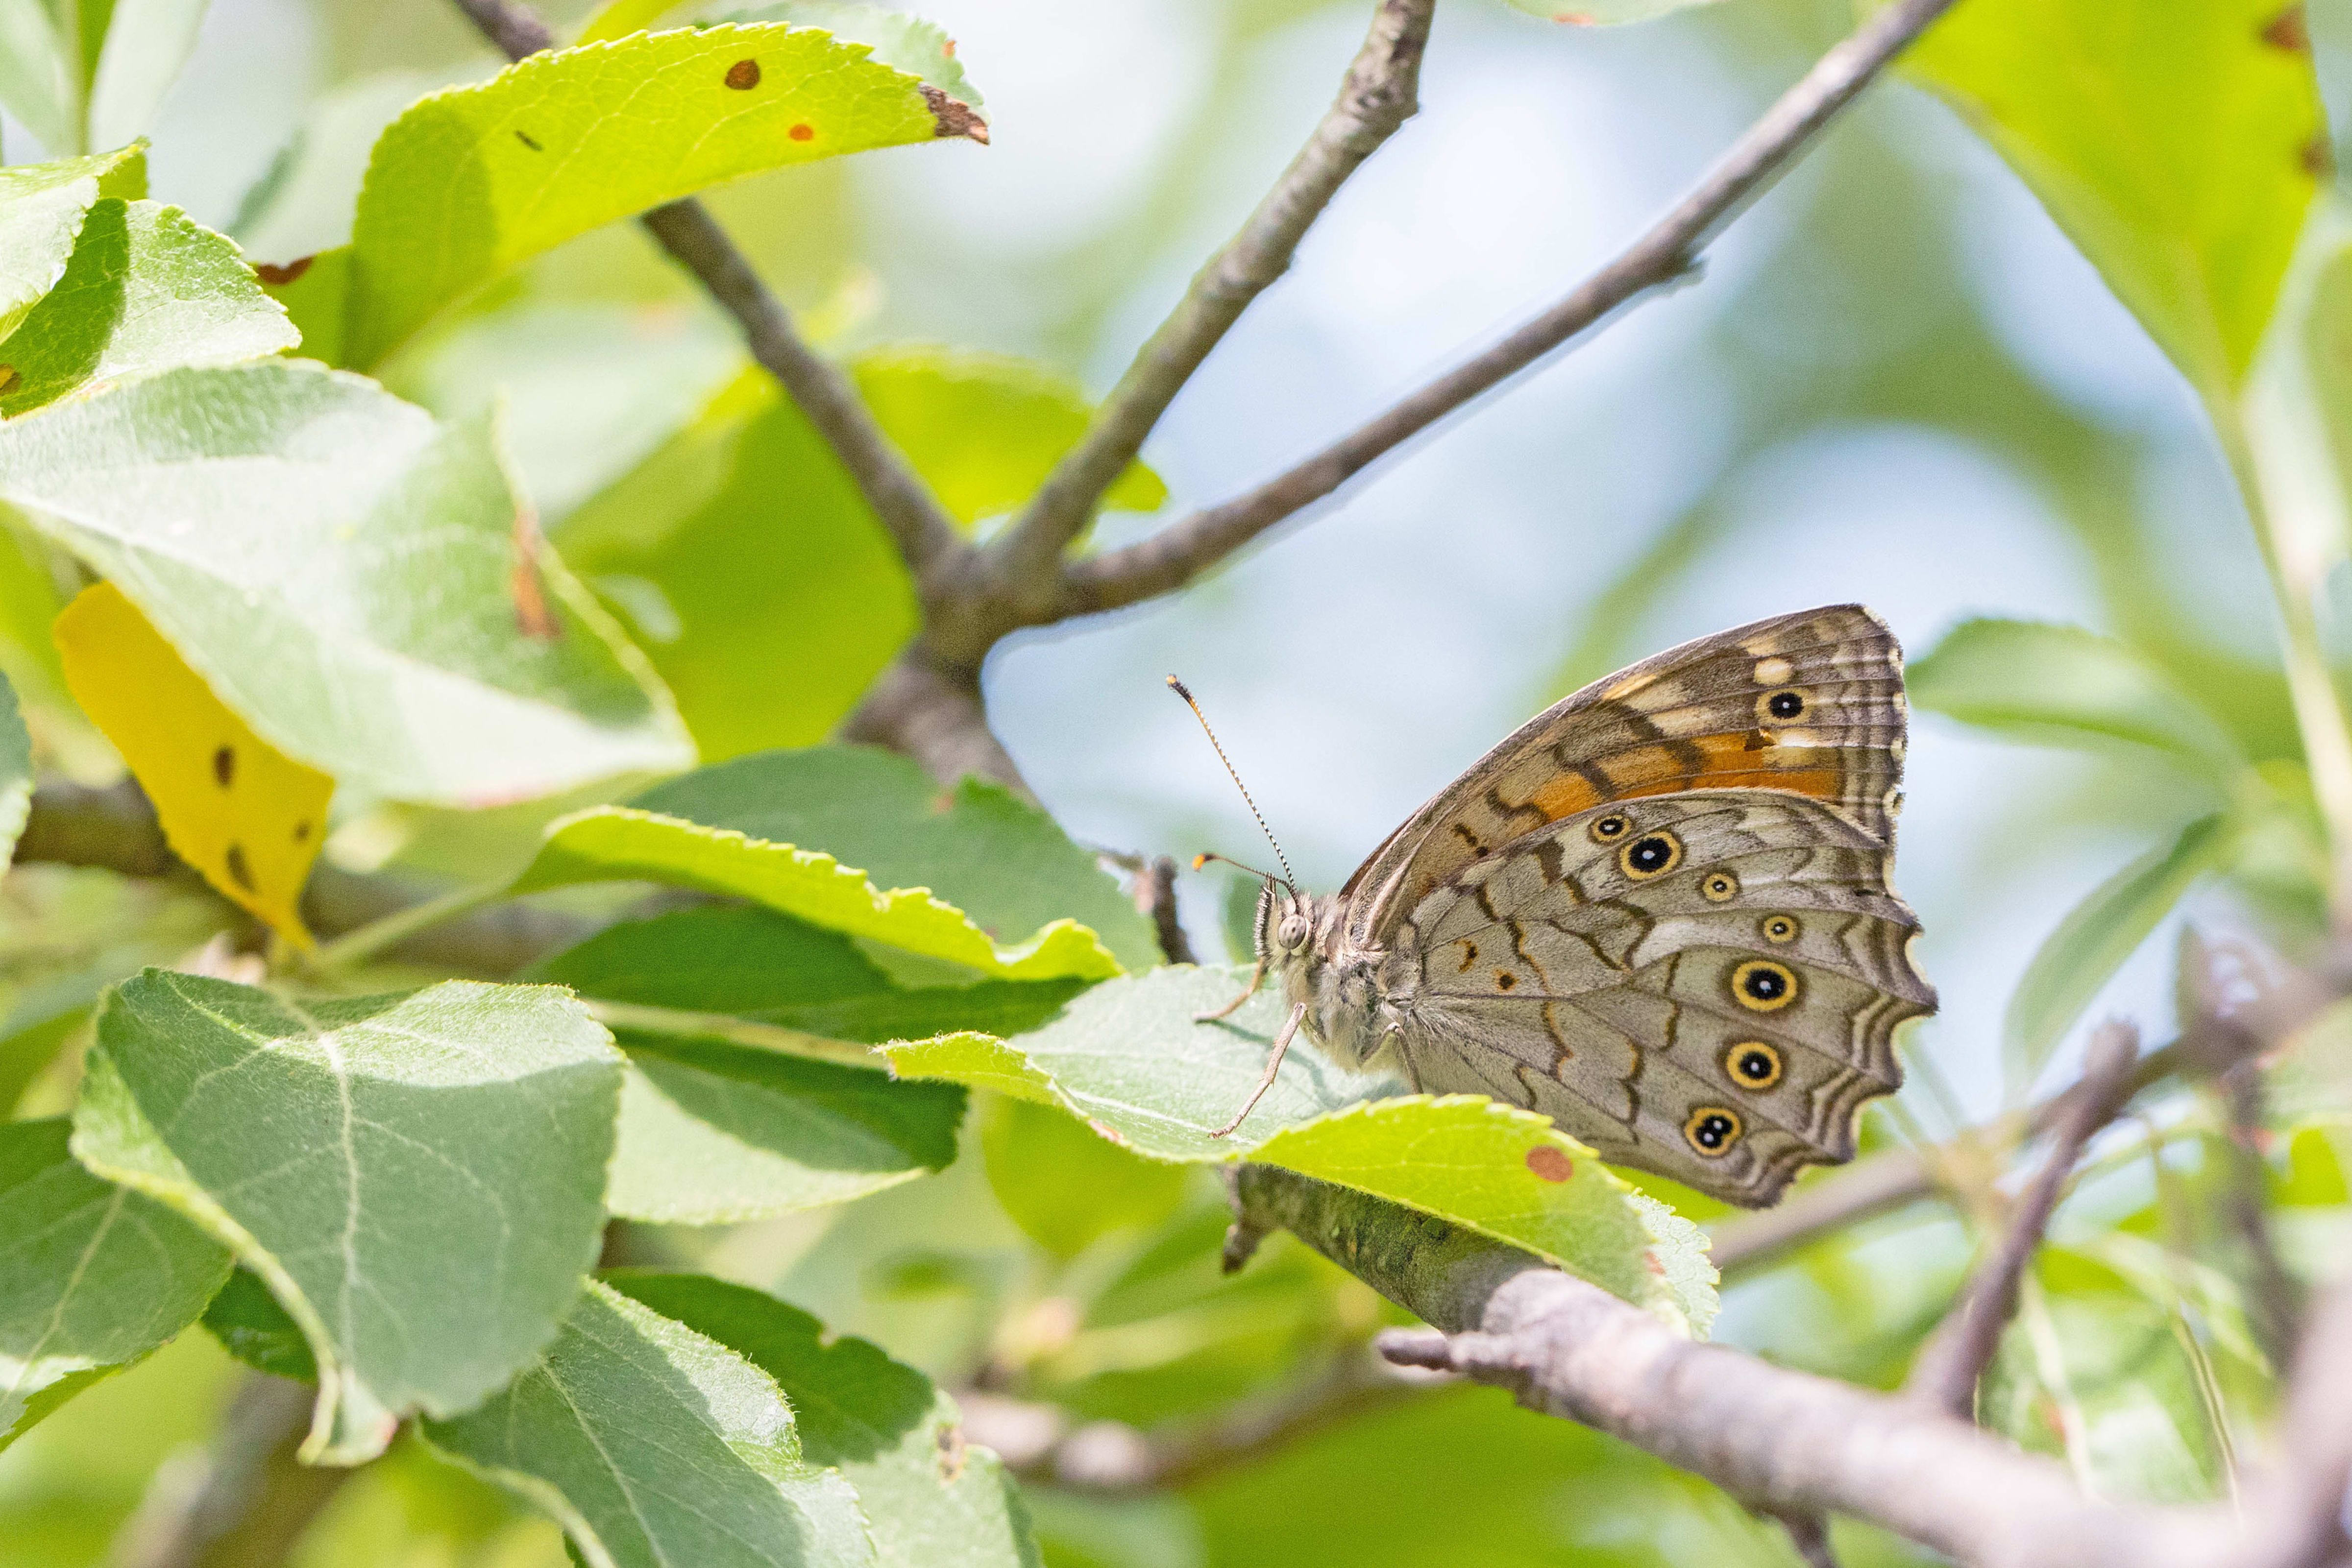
x=948 y=48
x=224 y=766
x=527 y=141
x=1573 y=18
x=952 y=1453
x=1108 y=1131
x=1650 y=1262
x=278 y=276
x=743 y=75
x=531 y=612
x=953 y=116
x=1549 y=1163
x=943 y=802
x=238 y=871
x=2288 y=31
x=303 y=831
x=2318 y=159
x=802 y=133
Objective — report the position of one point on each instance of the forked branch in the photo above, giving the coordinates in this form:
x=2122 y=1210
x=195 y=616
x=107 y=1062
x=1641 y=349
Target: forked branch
x=1169 y=559
x=1378 y=95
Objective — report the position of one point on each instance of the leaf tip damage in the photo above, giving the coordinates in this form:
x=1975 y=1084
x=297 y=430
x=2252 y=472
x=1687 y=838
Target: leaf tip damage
x=279 y=276
x=2288 y=31
x=953 y=116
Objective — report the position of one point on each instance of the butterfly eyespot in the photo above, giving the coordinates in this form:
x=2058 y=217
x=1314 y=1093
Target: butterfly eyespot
x=1712 y=1130
x=1611 y=827
x=1761 y=985
x=1780 y=927
x=1719 y=887
x=1752 y=1064
x=1504 y=979
x=1651 y=855
x=1782 y=705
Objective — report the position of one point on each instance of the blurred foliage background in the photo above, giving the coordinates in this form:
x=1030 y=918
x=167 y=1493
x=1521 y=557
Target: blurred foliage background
x=1894 y=381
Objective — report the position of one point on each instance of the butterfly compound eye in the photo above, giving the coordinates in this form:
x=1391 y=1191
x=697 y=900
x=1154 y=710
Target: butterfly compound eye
x=1292 y=932
x=1712 y=1130
x=1651 y=855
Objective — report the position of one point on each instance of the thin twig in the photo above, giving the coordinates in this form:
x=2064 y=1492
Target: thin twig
x=1174 y=557
x=1810 y=1534
x=247 y=1501
x=926 y=537
x=2277 y=1300
x=1378 y=95
x=1948 y=1365
x=1155 y=896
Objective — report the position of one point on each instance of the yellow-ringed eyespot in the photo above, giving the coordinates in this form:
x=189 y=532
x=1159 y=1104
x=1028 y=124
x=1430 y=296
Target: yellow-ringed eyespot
x=1783 y=707
x=1608 y=830
x=1719 y=887
x=1780 y=927
x=1752 y=1064
x=1761 y=985
x=1652 y=855
x=1712 y=1130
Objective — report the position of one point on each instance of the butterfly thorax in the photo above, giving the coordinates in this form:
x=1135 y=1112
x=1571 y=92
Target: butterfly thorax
x=1351 y=999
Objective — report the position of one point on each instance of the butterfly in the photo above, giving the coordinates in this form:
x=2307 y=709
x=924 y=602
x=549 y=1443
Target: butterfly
x=1658 y=914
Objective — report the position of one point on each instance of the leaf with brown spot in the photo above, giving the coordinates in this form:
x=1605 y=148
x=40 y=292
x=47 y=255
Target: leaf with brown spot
x=278 y=275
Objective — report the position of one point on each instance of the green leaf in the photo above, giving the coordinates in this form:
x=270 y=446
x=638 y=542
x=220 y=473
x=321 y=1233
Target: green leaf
x=1128 y=1058
x=146 y=43
x=1065 y=1186
x=905 y=43
x=147 y=288
x=2298 y=406
x=2172 y=140
x=470 y=181
x=251 y=1326
x=343 y=572
x=655 y=1446
x=933 y=1501
x=41 y=211
x=37 y=84
x=985 y=430
x=2094 y=938
x=715 y=1133
x=1020 y=887
x=754 y=964
x=2065 y=685
x=417 y=1177
x=92 y=1277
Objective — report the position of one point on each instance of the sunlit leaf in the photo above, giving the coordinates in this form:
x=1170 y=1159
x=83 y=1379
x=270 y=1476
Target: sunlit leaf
x=933 y=1500
x=92 y=1276
x=655 y=1446
x=472 y=181
x=1128 y=1058
x=248 y=816
x=42 y=204
x=146 y=43
x=417 y=1177
x=2175 y=142
x=355 y=579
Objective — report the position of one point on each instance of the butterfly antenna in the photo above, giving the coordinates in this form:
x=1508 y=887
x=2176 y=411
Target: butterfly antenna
x=1284 y=861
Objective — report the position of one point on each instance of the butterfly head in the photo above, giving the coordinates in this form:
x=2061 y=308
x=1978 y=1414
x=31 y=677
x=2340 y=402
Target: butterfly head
x=1286 y=923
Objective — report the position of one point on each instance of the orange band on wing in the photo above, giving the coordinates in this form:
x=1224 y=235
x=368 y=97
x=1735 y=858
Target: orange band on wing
x=1727 y=763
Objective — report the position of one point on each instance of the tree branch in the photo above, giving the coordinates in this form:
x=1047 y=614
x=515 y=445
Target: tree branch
x=1946 y=1371
x=1174 y=557
x=1378 y=95
x=933 y=714
x=247 y=1501
x=926 y=536
x=1781 y=1442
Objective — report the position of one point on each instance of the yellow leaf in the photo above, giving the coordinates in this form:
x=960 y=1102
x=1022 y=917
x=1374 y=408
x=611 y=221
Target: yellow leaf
x=241 y=811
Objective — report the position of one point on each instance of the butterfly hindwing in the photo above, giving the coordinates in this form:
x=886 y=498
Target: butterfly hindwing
x=1704 y=984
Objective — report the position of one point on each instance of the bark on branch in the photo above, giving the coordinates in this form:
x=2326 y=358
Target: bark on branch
x=1788 y=1442
x=1169 y=559
x=1378 y=95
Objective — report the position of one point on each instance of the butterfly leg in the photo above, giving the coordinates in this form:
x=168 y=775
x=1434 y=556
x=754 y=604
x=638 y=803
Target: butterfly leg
x=1272 y=1066
x=1257 y=978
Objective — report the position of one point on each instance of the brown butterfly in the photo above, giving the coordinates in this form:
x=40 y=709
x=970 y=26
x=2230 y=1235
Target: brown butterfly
x=1659 y=914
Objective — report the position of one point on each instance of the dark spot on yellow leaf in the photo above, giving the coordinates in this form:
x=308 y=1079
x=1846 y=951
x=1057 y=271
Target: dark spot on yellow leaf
x=953 y=116
x=1549 y=1163
x=2318 y=159
x=2288 y=31
x=743 y=75
x=527 y=141
x=224 y=766
x=238 y=871
x=303 y=831
x=278 y=276
x=802 y=133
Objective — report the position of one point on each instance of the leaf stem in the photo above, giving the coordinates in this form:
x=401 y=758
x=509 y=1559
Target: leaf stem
x=364 y=942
